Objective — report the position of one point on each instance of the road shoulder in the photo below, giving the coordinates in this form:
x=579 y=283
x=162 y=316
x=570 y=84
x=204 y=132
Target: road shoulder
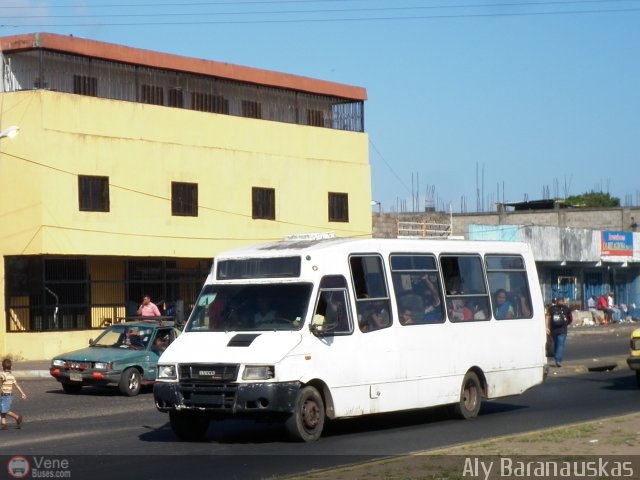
x=603 y=437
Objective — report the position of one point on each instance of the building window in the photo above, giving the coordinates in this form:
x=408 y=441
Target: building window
x=263 y=201
x=204 y=102
x=83 y=85
x=315 y=118
x=251 y=109
x=93 y=193
x=338 y=207
x=184 y=199
x=175 y=97
x=152 y=94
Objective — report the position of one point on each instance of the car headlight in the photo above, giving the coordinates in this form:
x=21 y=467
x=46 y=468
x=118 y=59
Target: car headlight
x=166 y=372
x=258 y=372
x=102 y=366
x=58 y=363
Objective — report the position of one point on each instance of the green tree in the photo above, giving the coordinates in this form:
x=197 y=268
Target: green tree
x=593 y=199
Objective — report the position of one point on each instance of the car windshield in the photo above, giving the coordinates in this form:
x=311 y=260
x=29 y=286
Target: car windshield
x=281 y=306
x=124 y=336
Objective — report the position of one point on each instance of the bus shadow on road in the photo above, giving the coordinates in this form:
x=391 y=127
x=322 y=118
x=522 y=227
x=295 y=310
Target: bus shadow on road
x=617 y=382
x=235 y=431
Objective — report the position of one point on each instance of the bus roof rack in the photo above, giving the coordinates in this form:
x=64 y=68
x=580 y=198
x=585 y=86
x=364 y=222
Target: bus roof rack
x=310 y=236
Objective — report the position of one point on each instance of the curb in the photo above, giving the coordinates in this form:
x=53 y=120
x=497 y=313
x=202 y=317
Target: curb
x=606 y=364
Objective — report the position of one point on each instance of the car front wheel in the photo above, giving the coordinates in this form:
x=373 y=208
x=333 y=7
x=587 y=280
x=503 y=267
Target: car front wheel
x=71 y=388
x=130 y=382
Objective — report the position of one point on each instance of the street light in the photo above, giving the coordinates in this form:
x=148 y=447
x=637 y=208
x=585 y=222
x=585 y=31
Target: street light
x=10 y=132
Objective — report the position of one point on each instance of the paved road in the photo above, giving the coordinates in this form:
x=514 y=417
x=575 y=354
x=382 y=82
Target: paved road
x=111 y=428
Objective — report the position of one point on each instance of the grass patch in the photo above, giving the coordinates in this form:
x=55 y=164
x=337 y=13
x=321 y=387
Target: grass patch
x=575 y=432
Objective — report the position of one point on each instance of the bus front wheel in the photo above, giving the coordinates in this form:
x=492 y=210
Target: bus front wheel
x=188 y=426
x=307 y=420
x=470 y=397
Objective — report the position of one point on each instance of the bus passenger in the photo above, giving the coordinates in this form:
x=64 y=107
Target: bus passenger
x=265 y=313
x=406 y=317
x=432 y=304
x=374 y=319
x=459 y=311
x=503 y=308
x=524 y=311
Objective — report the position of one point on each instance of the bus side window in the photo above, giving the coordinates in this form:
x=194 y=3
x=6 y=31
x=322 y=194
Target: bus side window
x=507 y=273
x=465 y=286
x=372 y=297
x=417 y=288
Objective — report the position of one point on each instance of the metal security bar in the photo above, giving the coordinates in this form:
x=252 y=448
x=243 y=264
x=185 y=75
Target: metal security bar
x=69 y=293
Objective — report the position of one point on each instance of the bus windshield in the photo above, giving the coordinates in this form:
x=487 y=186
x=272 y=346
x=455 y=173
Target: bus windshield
x=250 y=307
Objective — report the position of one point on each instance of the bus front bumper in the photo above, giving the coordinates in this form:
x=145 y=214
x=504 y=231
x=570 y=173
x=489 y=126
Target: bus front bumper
x=232 y=399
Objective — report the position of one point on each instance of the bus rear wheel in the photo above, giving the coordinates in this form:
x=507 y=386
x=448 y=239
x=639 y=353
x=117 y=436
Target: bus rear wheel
x=307 y=420
x=470 y=397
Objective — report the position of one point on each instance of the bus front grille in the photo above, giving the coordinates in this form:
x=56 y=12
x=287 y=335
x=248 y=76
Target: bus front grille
x=208 y=372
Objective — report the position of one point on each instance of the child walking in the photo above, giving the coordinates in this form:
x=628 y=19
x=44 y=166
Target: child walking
x=8 y=382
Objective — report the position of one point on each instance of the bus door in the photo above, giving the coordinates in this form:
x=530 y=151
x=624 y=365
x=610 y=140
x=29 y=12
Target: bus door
x=376 y=355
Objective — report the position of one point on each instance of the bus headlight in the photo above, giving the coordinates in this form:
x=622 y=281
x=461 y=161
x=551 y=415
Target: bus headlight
x=258 y=372
x=166 y=372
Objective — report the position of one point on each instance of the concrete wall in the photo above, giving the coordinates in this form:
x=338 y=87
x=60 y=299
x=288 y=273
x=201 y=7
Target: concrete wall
x=592 y=218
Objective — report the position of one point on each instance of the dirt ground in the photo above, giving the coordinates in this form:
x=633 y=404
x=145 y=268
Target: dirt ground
x=602 y=438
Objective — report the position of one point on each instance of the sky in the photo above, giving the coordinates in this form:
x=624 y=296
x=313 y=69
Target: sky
x=470 y=102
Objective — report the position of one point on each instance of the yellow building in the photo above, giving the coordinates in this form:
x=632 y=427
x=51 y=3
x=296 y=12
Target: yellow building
x=133 y=168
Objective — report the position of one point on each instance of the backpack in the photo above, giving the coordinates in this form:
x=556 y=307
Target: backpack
x=558 y=316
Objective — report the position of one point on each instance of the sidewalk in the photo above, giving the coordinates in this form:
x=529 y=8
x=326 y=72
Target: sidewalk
x=31 y=368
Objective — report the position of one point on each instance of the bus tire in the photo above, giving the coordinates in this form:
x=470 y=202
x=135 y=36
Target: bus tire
x=307 y=420
x=470 y=397
x=188 y=426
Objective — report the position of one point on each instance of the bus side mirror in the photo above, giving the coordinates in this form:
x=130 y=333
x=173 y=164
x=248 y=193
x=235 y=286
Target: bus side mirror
x=317 y=325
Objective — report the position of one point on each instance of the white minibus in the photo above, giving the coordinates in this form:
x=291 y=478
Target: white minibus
x=314 y=329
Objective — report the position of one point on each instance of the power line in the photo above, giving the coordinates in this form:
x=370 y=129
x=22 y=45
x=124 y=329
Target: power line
x=281 y=12
x=317 y=20
x=298 y=2
x=389 y=166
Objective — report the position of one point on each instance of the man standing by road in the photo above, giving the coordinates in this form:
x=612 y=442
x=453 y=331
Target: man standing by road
x=558 y=319
x=148 y=308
